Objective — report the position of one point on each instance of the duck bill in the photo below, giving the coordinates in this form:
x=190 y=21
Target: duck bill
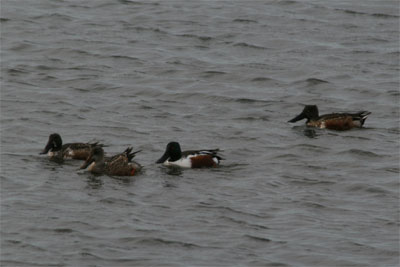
x=87 y=163
x=47 y=148
x=298 y=117
x=163 y=158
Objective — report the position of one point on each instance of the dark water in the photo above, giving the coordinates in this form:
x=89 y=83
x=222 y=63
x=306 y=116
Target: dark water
x=207 y=74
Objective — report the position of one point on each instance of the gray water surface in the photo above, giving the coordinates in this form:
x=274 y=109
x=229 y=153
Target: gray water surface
x=207 y=74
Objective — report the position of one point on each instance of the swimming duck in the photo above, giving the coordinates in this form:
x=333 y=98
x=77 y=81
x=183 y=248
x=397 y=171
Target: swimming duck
x=334 y=121
x=57 y=151
x=173 y=156
x=117 y=165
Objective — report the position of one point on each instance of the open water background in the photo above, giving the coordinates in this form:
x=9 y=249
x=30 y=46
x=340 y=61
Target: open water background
x=226 y=74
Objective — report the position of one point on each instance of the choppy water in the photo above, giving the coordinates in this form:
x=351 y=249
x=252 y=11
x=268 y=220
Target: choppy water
x=207 y=74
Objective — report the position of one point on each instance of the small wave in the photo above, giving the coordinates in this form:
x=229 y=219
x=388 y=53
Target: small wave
x=43 y=67
x=244 y=223
x=249 y=100
x=211 y=73
x=13 y=241
x=149 y=29
x=132 y=2
x=261 y=66
x=54 y=16
x=63 y=230
x=16 y=71
x=286 y=156
x=392 y=170
x=352 y=12
x=21 y=46
x=314 y=205
x=30 y=264
x=24 y=244
x=127 y=57
x=381 y=15
x=394 y=130
x=245 y=21
x=315 y=81
x=265 y=80
x=310 y=147
x=287 y=2
x=395 y=93
x=308 y=181
x=177 y=97
x=258 y=238
x=310 y=82
x=362 y=52
x=358 y=137
x=246 y=45
x=71 y=51
x=377 y=15
x=201 y=38
x=360 y=152
x=261 y=79
x=158 y=241
x=228 y=209
x=367 y=188
x=252 y=118
x=92 y=255
x=112 y=200
x=393 y=53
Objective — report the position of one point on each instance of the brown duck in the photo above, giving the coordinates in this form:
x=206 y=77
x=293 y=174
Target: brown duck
x=57 y=151
x=334 y=121
x=117 y=165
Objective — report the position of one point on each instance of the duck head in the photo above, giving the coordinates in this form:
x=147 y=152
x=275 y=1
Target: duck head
x=310 y=112
x=96 y=155
x=172 y=153
x=54 y=144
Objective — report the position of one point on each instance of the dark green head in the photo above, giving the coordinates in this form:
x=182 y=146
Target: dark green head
x=172 y=153
x=54 y=144
x=310 y=112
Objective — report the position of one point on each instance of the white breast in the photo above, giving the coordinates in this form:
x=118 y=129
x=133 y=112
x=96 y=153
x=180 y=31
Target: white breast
x=183 y=163
x=215 y=160
x=91 y=166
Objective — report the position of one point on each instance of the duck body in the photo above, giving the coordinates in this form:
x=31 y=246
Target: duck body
x=77 y=150
x=174 y=157
x=117 y=165
x=333 y=121
x=57 y=151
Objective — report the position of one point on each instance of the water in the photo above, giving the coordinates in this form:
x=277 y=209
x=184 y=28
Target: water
x=206 y=74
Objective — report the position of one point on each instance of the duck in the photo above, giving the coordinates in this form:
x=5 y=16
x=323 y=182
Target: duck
x=333 y=121
x=57 y=151
x=173 y=156
x=118 y=165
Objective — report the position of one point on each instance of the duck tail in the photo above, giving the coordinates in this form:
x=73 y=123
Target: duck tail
x=97 y=144
x=129 y=154
x=363 y=116
x=216 y=153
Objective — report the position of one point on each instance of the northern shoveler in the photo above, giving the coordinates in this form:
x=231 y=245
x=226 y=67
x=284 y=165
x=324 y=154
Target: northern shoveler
x=173 y=156
x=334 y=121
x=117 y=165
x=57 y=151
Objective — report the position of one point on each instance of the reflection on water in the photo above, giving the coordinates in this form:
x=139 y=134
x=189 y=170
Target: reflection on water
x=174 y=171
x=94 y=182
x=311 y=133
